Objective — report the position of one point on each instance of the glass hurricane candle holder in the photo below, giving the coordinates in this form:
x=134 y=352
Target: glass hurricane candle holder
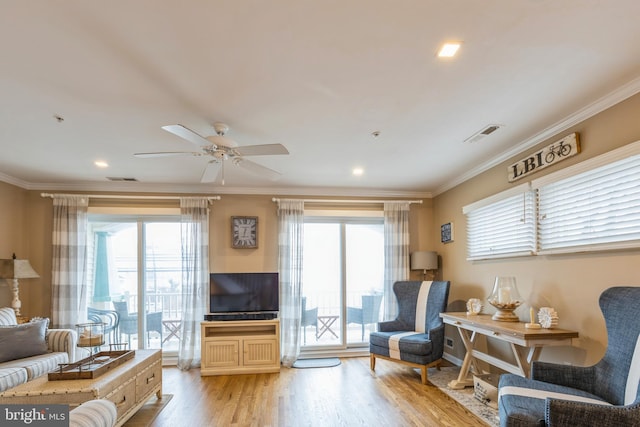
x=505 y=298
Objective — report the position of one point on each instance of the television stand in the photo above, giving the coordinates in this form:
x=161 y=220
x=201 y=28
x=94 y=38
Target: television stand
x=240 y=347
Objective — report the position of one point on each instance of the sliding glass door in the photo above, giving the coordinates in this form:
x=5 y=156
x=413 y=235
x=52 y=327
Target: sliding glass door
x=342 y=281
x=135 y=271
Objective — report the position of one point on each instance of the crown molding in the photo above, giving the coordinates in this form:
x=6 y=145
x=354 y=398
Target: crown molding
x=204 y=189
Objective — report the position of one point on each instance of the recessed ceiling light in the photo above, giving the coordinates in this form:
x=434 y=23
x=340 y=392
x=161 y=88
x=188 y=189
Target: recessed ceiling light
x=358 y=171
x=101 y=164
x=449 y=49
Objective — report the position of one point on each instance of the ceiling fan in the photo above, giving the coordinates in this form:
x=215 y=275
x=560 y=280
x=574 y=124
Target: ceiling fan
x=221 y=148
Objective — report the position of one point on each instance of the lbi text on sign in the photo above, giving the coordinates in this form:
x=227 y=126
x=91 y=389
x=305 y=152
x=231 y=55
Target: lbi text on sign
x=567 y=147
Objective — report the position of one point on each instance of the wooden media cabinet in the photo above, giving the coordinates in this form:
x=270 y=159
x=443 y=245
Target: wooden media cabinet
x=240 y=347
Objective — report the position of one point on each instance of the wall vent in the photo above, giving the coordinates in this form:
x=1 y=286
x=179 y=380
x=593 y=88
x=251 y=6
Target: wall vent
x=121 y=179
x=486 y=131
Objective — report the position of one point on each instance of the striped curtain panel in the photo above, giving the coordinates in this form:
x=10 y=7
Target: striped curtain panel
x=396 y=252
x=69 y=287
x=290 y=245
x=194 y=212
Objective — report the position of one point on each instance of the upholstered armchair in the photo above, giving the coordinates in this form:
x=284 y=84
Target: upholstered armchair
x=416 y=337
x=367 y=313
x=605 y=394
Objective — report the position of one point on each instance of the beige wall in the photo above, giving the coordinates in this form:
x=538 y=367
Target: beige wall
x=13 y=229
x=569 y=283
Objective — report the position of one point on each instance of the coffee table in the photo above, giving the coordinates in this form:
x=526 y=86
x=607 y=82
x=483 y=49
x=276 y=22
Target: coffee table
x=129 y=386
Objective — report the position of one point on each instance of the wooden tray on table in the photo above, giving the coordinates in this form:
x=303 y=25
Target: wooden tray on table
x=91 y=367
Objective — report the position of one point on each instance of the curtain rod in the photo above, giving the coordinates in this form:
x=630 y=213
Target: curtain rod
x=275 y=199
x=113 y=196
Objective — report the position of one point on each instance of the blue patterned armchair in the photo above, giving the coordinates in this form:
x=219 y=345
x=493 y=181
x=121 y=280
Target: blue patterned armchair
x=605 y=394
x=416 y=336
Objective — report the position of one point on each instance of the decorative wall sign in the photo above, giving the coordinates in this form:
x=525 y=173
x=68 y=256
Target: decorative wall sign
x=567 y=147
x=446 y=232
x=244 y=232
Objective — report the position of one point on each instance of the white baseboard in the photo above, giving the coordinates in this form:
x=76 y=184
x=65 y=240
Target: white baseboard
x=448 y=357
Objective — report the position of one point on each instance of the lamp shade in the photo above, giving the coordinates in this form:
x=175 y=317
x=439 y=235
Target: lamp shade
x=16 y=269
x=424 y=260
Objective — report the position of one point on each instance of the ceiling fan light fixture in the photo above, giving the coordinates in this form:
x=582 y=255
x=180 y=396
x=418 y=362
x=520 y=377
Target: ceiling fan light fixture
x=222 y=141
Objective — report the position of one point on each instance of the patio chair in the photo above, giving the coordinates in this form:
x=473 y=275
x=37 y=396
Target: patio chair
x=604 y=394
x=416 y=336
x=309 y=318
x=368 y=313
x=128 y=322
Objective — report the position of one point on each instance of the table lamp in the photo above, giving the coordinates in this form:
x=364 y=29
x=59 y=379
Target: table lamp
x=15 y=269
x=424 y=260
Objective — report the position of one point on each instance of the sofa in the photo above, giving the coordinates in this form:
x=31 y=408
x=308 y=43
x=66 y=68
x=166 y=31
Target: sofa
x=30 y=350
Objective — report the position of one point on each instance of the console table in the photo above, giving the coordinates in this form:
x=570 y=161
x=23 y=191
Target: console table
x=515 y=333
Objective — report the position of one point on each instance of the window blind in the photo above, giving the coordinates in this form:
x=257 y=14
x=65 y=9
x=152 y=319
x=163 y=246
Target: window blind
x=502 y=225
x=594 y=210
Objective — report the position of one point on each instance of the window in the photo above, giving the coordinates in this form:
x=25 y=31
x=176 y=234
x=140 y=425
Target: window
x=502 y=225
x=596 y=209
x=343 y=275
x=594 y=205
x=135 y=267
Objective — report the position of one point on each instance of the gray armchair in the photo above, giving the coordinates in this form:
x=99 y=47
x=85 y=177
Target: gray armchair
x=606 y=394
x=367 y=314
x=416 y=336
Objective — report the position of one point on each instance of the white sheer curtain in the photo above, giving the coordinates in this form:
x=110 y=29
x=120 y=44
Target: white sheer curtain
x=68 y=270
x=194 y=213
x=290 y=245
x=396 y=252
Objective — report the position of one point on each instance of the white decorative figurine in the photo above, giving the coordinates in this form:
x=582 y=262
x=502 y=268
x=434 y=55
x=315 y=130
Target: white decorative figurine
x=474 y=306
x=548 y=317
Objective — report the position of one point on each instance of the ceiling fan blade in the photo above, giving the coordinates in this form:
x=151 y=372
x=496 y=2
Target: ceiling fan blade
x=211 y=172
x=188 y=134
x=167 y=154
x=261 y=150
x=257 y=169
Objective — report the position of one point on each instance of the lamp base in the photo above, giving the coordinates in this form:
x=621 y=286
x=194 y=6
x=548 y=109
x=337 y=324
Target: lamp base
x=505 y=316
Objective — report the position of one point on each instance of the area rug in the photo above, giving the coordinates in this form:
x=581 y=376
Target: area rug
x=316 y=363
x=465 y=396
x=148 y=412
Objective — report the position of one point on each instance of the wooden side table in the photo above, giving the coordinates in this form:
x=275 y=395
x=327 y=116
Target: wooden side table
x=515 y=333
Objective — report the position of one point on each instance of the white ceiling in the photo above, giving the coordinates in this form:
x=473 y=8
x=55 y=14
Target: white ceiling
x=316 y=76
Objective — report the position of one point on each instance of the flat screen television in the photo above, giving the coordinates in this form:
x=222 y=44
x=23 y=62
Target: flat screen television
x=238 y=294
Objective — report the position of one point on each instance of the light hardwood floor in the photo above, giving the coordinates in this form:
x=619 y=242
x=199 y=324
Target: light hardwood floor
x=346 y=395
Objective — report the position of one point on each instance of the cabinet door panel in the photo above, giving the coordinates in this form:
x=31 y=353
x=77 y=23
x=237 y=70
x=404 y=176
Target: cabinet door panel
x=221 y=353
x=259 y=352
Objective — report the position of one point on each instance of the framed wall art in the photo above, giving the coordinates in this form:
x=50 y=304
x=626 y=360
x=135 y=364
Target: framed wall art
x=446 y=232
x=244 y=232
